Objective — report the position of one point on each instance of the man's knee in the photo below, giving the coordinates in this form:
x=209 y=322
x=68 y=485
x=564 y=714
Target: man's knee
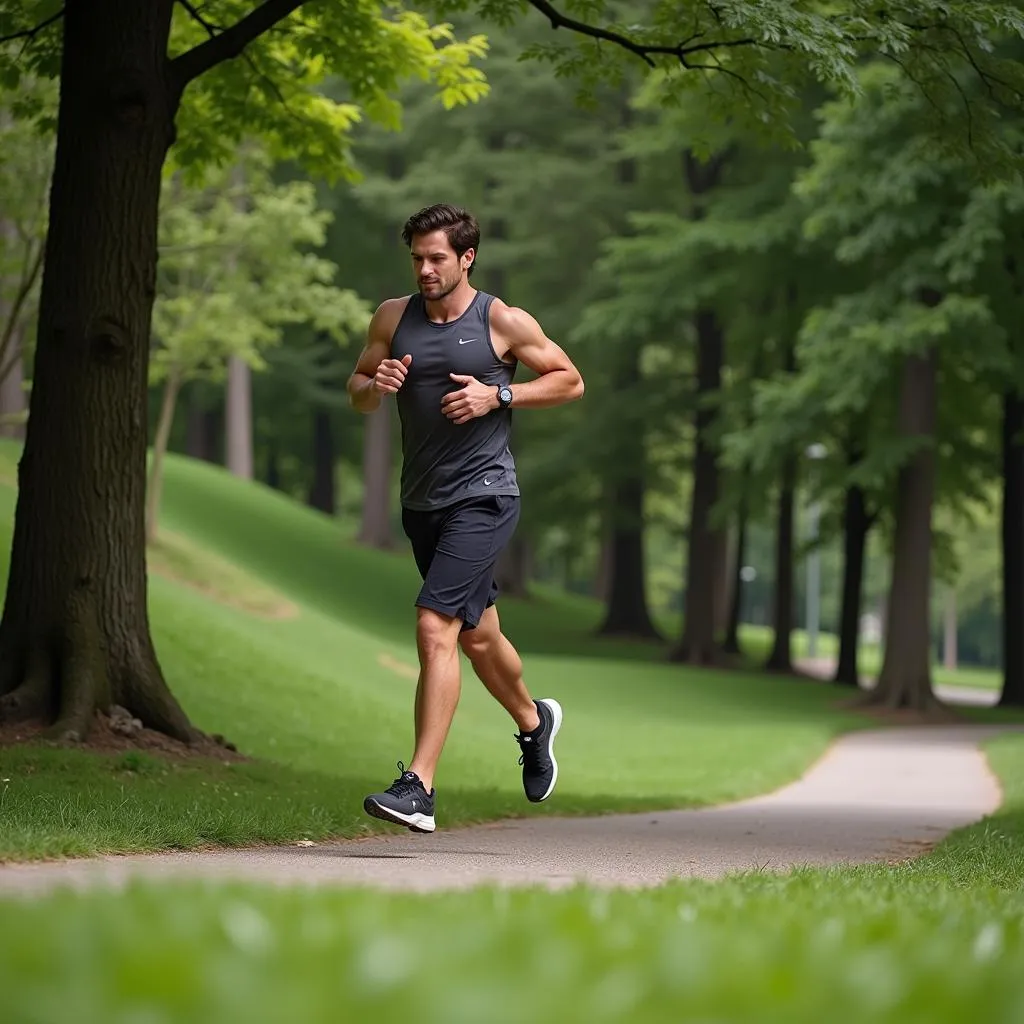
x=476 y=643
x=436 y=633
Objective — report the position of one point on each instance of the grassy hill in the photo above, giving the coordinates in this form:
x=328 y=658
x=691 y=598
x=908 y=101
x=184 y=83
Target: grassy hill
x=276 y=630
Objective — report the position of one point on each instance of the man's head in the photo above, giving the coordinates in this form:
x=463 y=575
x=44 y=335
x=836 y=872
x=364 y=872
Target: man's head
x=443 y=241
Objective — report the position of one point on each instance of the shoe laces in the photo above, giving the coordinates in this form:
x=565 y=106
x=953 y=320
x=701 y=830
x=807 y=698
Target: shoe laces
x=406 y=784
x=530 y=750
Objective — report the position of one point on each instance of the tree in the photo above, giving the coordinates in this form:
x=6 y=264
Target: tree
x=139 y=78
x=75 y=633
x=235 y=266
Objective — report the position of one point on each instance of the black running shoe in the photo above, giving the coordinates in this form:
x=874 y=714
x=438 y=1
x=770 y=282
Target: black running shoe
x=540 y=769
x=404 y=802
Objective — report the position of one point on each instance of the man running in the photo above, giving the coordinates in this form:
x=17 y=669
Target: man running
x=449 y=354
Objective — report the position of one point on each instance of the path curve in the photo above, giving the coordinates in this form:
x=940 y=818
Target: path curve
x=876 y=795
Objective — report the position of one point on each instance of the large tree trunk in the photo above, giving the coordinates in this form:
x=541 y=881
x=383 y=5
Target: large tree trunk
x=75 y=632
x=905 y=680
x=323 y=487
x=1013 y=550
x=856 y=526
x=238 y=419
x=698 y=646
x=375 y=529
x=781 y=657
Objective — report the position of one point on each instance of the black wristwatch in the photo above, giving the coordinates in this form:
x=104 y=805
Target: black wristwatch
x=504 y=396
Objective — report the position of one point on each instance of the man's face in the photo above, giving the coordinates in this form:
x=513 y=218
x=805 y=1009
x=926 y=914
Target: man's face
x=438 y=270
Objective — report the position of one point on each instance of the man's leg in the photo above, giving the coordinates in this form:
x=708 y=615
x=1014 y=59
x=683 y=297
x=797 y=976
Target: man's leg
x=437 y=693
x=499 y=667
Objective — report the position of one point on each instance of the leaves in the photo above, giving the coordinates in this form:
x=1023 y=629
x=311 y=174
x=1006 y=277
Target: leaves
x=236 y=265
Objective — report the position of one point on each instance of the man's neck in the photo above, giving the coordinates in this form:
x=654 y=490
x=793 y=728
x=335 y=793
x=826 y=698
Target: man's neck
x=452 y=305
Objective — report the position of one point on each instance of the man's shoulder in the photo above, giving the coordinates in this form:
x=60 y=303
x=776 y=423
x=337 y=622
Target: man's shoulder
x=388 y=314
x=511 y=322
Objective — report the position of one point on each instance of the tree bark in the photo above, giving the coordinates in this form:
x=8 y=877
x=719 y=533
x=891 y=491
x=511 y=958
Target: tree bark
x=323 y=487
x=905 y=680
x=375 y=530
x=731 y=645
x=781 y=657
x=1012 y=694
x=238 y=419
x=163 y=433
x=856 y=526
x=75 y=631
x=697 y=645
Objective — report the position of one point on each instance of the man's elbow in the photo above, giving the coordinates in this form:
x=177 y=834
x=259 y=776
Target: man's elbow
x=577 y=389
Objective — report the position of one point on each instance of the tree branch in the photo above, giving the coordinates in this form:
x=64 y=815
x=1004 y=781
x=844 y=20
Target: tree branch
x=232 y=41
x=642 y=50
x=28 y=34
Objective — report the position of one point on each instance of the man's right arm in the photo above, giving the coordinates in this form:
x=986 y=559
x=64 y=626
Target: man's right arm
x=363 y=394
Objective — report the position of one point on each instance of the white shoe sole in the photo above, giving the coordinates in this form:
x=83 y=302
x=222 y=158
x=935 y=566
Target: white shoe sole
x=414 y=822
x=556 y=711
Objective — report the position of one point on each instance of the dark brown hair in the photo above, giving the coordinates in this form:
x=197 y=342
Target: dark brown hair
x=459 y=226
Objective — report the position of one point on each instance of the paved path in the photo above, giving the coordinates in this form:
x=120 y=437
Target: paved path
x=875 y=796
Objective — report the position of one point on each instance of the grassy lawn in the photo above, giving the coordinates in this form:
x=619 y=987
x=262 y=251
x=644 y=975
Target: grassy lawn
x=935 y=940
x=297 y=646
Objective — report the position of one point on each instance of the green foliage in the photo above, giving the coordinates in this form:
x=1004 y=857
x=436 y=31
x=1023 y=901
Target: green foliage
x=282 y=90
x=236 y=264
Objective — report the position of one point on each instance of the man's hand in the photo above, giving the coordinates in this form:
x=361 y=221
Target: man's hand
x=475 y=399
x=391 y=374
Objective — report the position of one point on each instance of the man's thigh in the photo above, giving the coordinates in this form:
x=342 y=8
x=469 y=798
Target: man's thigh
x=460 y=579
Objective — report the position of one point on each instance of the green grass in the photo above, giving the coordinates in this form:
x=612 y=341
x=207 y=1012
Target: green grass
x=924 y=942
x=321 y=695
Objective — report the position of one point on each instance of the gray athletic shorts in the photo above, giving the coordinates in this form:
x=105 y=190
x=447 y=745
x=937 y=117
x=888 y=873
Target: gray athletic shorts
x=456 y=549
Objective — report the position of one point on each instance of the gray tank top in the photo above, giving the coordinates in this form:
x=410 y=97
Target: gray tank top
x=445 y=462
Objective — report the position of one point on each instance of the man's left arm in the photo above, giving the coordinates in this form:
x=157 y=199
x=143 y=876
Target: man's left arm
x=557 y=382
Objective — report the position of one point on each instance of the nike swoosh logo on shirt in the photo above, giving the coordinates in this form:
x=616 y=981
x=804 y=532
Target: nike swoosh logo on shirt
x=466 y=341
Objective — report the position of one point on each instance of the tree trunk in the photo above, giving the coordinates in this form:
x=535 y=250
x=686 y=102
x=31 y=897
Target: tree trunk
x=375 y=530
x=781 y=657
x=1013 y=550
x=75 y=631
x=13 y=403
x=949 y=631
x=202 y=430
x=905 y=679
x=603 y=575
x=238 y=419
x=626 y=611
x=322 y=490
x=513 y=569
x=856 y=526
x=731 y=644
x=163 y=433
x=723 y=580
x=697 y=646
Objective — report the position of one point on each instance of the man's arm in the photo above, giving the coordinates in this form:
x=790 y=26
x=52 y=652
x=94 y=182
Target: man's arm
x=558 y=380
x=363 y=393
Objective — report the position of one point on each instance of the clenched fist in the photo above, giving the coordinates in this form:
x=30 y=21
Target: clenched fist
x=391 y=374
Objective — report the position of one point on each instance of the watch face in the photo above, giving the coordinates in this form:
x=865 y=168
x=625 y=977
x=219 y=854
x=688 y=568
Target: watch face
x=505 y=395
